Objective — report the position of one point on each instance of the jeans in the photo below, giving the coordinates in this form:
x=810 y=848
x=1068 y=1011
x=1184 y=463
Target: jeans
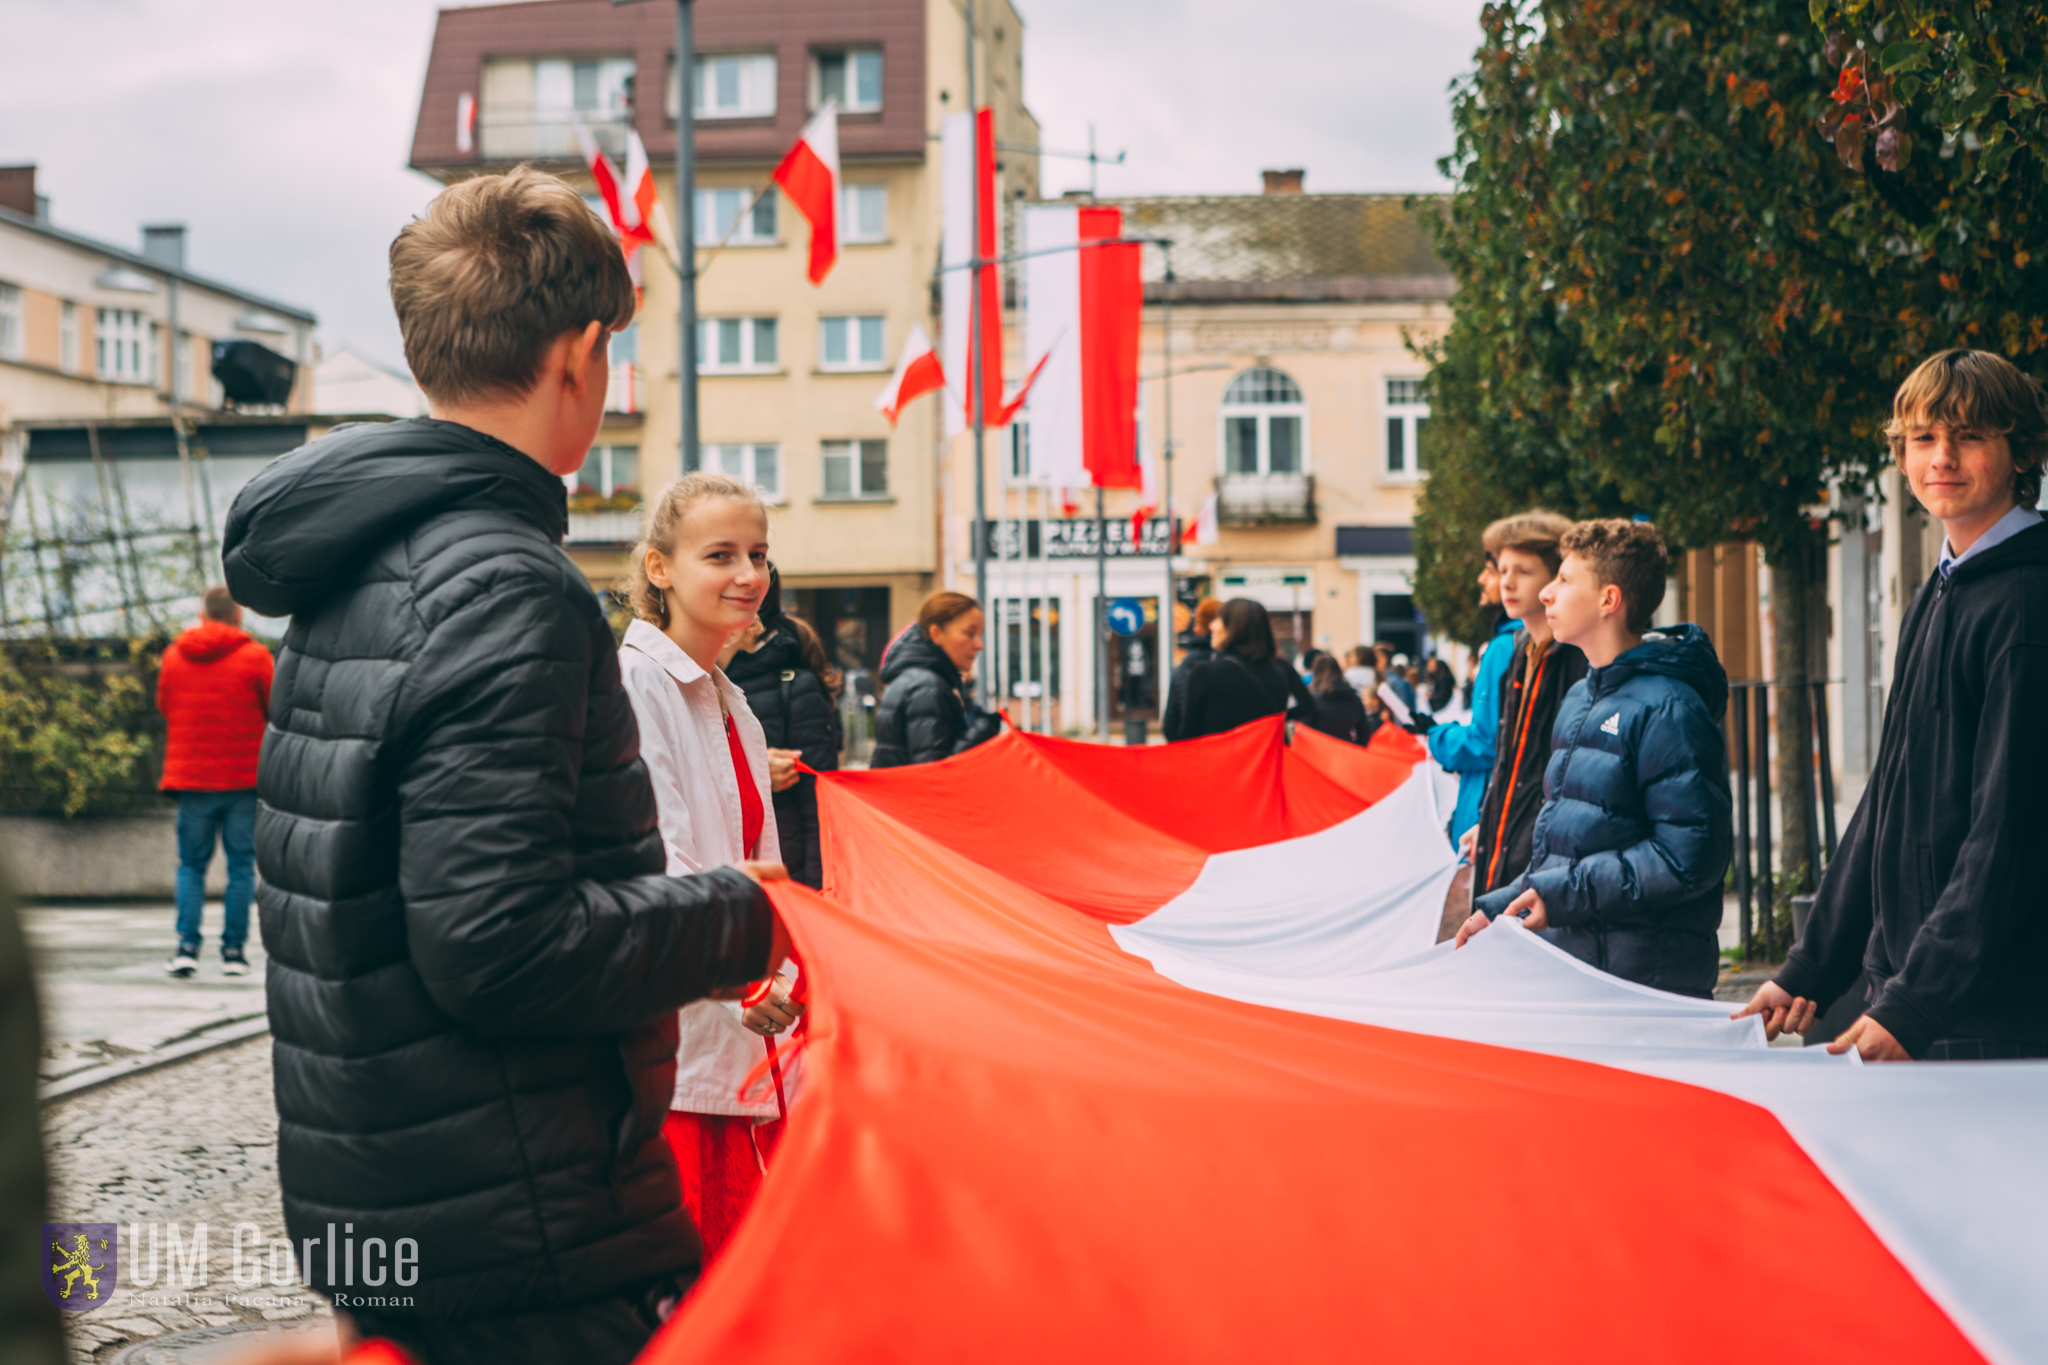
x=202 y=818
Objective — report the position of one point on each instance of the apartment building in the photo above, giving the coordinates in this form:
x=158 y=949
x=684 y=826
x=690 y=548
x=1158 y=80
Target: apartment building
x=118 y=454
x=787 y=372
x=1296 y=401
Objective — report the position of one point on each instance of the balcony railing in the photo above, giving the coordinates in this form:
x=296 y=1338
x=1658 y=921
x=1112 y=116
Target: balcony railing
x=1265 y=499
x=604 y=528
x=522 y=133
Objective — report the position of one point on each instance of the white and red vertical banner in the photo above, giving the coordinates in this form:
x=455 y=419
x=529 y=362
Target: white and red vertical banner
x=809 y=175
x=970 y=179
x=1083 y=308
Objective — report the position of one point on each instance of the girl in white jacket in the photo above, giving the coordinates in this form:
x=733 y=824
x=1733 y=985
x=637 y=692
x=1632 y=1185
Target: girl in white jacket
x=698 y=578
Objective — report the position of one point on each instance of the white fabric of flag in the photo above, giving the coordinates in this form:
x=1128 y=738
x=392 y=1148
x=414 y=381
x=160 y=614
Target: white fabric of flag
x=1052 y=330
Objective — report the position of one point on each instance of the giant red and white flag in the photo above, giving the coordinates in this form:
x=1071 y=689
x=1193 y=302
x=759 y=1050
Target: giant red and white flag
x=961 y=188
x=809 y=175
x=1083 y=305
x=917 y=372
x=1287 y=1100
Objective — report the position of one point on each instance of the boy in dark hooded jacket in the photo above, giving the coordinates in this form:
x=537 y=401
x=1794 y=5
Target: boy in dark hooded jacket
x=1633 y=838
x=1935 y=893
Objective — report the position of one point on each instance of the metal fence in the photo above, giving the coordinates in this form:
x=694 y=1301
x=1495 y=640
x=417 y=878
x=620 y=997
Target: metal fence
x=1749 y=746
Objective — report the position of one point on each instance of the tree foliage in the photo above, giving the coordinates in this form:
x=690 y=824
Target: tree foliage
x=1674 y=296
x=79 y=735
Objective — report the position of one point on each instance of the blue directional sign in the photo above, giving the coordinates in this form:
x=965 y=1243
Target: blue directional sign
x=1126 y=616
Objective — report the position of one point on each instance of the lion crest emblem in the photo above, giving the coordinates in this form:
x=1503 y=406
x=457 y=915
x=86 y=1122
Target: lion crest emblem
x=82 y=1266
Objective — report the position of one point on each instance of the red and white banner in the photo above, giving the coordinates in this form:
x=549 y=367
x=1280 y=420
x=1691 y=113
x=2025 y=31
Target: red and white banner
x=1083 y=309
x=1152 y=1049
x=809 y=175
x=1205 y=531
x=961 y=188
x=917 y=372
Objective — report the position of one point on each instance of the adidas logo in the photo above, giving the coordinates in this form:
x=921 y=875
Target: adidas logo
x=1612 y=725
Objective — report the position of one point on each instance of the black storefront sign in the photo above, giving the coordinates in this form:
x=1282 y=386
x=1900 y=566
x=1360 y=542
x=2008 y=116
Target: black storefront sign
x=1073 y=538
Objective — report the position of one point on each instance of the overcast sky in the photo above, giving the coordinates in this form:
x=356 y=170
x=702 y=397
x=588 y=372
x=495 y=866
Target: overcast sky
x=278 y=129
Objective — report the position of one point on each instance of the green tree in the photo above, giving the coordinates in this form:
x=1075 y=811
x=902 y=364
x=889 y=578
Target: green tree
x=1677 y=297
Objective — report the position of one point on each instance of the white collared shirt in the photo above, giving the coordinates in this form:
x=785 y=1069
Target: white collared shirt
x=2005 y=528
x=697 y=801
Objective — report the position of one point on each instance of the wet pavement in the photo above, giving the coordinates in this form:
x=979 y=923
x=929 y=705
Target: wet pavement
x=105 y=996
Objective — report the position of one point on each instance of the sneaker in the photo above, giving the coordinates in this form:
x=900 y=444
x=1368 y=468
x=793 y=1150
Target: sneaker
x=186 y=963
x=233 y=962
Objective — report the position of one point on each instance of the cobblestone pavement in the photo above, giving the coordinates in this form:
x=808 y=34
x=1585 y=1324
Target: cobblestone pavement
x=190 y=1143
x=100 y=970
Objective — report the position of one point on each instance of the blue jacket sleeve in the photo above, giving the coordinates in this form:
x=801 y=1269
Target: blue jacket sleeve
x=1468 y=748
x=1681 y=770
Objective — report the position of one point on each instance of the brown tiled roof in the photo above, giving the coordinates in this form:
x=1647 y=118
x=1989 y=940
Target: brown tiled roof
x=1289 y=247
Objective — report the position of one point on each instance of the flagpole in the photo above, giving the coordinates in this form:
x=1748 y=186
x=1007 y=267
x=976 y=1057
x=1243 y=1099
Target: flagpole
x=1166 y=603
x=974 y=348
x=1101 y=618
x=686 y=238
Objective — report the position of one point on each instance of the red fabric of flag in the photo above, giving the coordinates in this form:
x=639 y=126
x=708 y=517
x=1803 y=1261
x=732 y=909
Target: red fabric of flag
x=1112 y=301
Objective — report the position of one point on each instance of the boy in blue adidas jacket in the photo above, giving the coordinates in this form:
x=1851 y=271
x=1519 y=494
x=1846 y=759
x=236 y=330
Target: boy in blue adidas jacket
x=1634 y=835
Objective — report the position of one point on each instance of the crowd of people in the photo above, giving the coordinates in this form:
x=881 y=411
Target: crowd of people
x=512 y=869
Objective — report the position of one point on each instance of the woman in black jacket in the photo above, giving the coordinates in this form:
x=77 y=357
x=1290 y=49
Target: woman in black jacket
x=792 y=690
x=925 y=714
x=1340 y=713
x=1245 y=680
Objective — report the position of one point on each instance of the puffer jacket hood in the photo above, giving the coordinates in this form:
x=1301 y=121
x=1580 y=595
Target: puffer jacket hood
x=1683 y=652
x=914 y=649
x=210 y=641
x=307 y=523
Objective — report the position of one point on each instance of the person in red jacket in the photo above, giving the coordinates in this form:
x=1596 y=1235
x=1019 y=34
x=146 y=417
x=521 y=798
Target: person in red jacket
x=214 y=691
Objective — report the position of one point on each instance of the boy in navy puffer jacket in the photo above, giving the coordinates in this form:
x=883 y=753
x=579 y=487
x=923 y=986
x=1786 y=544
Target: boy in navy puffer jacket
x=1633 y=839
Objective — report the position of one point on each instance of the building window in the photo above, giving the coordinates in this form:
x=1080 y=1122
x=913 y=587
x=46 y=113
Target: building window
x=67 y=338
x=850 y=343
x=608 y=472
x=856 y=469
x=530 y=108
x=119 y=340
x=1265 y=425
x=864 y=213
x=731 y=85
x=738 y=345
x=1407 y=429
x=759 y=464
x=852 y=79
x=719 y=213
x=1020 y=449
x=11 y=326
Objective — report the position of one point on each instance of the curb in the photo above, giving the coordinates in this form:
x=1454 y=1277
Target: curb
x=237 y=1031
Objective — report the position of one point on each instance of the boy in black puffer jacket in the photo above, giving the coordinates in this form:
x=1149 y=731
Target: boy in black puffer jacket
x=475 y=957
x=1634 y=835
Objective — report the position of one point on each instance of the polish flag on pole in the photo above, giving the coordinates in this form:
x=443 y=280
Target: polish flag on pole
x=1205 y=529
x=809 y=175
x=967 y=179
x=465 y=123
x=1084 y=308
x=645 y=220
x=917 y=372
x=601 y=171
